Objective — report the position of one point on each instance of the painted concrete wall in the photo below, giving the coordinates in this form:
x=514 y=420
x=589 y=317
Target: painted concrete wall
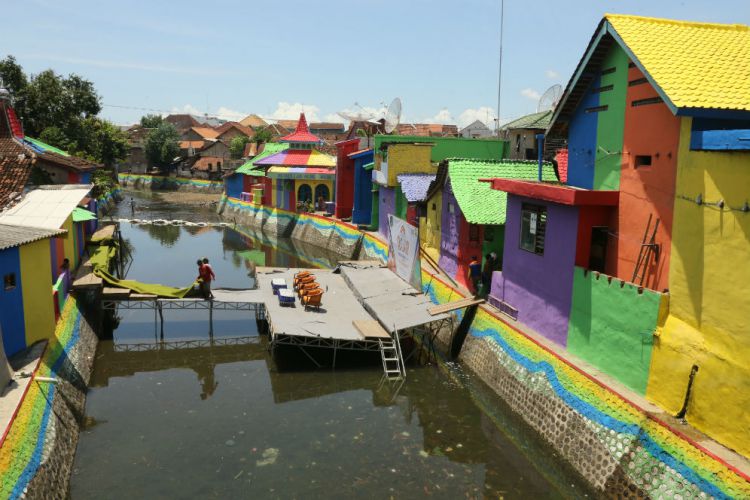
x=582 y=140
x=708 y=280
x=11 y=303
x=38 y=306
x=539 y=286
x=647 y=190
x=609 y=130
x=386 y=205
x=430 y=226
x=345 y=177
x=450 y=222
x=69 y=242
x=233 y=185
x=612 y=325
x=453 y=147
x=407 y=159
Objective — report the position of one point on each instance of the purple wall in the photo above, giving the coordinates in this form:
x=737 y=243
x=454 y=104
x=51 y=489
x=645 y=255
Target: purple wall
x=387 y=205
x=451 y=231
x=540 y=286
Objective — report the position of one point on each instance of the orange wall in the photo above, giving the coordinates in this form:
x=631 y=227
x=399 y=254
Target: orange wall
x=649 y=130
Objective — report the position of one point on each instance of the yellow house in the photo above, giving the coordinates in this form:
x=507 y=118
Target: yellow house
x=699 y=365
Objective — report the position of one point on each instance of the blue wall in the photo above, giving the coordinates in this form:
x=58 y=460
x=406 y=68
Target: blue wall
x=11 y=304
x=233 y=185
x=362 y=211
x=582 y=141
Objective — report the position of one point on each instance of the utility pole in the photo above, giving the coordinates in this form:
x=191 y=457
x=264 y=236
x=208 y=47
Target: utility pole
x=500 y=66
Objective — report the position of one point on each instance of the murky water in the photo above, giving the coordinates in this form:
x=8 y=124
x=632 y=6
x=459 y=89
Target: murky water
x=221 y=421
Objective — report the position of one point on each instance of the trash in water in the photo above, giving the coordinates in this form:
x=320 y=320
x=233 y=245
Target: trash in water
x=269 y=457
x=229 y=442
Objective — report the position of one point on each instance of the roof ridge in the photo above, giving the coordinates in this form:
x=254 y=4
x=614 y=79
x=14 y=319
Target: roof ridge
x=503 y=161
x=698 y=24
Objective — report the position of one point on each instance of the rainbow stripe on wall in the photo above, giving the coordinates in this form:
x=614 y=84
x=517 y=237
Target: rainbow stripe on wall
x=164 y=181
x=23 y=447
x=615 y=420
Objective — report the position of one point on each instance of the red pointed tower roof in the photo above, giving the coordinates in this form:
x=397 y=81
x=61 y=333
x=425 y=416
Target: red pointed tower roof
x=302 y=133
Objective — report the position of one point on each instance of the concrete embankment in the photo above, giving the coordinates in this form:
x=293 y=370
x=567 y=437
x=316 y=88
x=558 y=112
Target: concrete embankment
x=36 y=457
x=617 y=445
x=169 y=183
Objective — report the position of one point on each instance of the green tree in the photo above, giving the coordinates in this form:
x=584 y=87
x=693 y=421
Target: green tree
x=237 y=146
x=162 y=146
x=262 y=135
x=151 y=121
x=14 y=79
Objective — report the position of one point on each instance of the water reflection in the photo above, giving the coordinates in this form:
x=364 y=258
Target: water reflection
x=201 y=416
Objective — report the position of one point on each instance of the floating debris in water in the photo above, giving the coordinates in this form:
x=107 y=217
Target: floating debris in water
x=423 y=454
x=229 y=442
x=269 y=457
x=405 y=434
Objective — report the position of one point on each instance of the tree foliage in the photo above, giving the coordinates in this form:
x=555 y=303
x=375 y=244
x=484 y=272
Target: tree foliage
x=62 y=111
x=151 y=121
x=237 y=146
x=162 y=146
x=262 y=135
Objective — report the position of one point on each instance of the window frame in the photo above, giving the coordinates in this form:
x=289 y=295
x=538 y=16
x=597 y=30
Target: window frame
x=540 y=231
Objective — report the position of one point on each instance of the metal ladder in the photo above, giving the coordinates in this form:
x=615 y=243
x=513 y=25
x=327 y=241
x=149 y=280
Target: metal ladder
x=393 y=361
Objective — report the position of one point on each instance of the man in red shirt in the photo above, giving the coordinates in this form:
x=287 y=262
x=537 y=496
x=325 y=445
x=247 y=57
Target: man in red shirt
x=207 y=275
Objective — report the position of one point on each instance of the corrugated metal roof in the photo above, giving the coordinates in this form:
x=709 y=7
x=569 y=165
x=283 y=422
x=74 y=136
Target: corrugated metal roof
x=479 y=203
x=415 y=186
x=13 y=236
x=46 y=207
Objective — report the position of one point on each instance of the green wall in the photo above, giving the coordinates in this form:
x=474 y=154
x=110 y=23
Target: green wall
x=401 y=203
x=495 y=243
x=453 y=147
x=611 y=327
x=611 y=126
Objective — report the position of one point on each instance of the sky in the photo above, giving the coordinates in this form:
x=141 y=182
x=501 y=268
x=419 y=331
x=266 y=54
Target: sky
x=277 y=58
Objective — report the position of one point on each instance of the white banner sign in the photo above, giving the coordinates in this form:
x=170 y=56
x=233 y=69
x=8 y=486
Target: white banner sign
x=403 y=251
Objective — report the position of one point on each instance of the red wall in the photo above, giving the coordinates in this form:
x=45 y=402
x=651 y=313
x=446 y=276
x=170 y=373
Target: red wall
x=345 y=178
x=649 y=130
x=467 y=249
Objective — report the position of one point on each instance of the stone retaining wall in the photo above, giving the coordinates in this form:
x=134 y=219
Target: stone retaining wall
x=37 y=455
x=160 y=182
x=612 y=443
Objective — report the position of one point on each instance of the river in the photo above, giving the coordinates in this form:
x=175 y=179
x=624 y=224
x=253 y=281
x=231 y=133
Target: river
x=223 y=421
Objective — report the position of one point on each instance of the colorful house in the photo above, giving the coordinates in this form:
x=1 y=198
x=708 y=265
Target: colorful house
x=657 y=121
x=391 y=161
x=472 y=214
x=27 y=308
x=345 y=177
x=36 y=235
x=300 y=173
x=248 y=182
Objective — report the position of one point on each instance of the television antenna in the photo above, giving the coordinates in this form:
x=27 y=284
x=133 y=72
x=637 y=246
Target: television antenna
x=392 y=115
x=550 y=98
x=358 y=115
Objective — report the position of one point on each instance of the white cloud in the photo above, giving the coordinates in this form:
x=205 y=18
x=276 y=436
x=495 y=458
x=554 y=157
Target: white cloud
x=443 y=116
x=552 y=74
x=291 y=111
x=187 y=109
x=333 y=118
x=531 y=94
x=484 y=114
x=230 y=114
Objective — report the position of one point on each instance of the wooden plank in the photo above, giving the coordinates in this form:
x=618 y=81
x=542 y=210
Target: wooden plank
x=142 y=296
x=88 y=281
x=104 y=233
x=454 y=306
x=111 y=292
x=370 y=329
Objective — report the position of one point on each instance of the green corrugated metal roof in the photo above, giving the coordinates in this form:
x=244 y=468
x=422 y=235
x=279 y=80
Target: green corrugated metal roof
x=271 y=148
x=535 y=120
x=46 y=146
x=481 y=204
x=81 y=214
x=369 y=166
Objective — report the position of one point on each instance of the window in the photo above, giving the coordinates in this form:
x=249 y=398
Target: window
x=489 y=233
x=642 y=161
x=9 y=281
x=533 y=227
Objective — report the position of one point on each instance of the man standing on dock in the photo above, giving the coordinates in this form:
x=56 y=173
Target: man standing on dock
x=207 y=275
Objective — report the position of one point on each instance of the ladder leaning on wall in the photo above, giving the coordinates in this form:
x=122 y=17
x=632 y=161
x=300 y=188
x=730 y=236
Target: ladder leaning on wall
x=649 y=248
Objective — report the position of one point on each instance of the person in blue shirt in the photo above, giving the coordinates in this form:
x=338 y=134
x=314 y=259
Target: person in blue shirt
x=475 y=274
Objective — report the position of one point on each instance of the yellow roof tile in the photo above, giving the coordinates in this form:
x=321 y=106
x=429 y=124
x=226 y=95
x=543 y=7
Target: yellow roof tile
x=697 y=65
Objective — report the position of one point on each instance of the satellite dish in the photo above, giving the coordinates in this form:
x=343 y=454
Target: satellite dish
x=392 y=115
x=550 y=98
x=359 y=115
